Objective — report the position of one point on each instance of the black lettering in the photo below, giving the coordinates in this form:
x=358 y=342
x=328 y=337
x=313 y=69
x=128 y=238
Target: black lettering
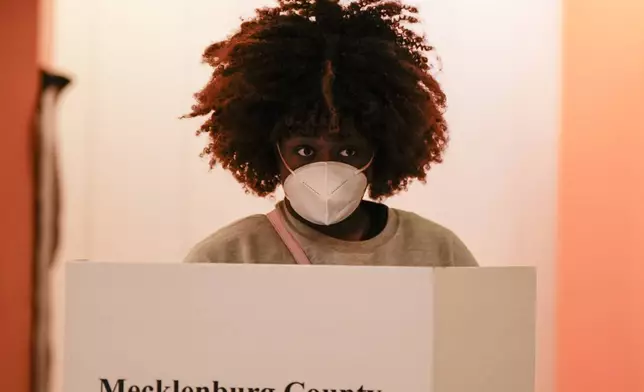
x=203 y=389
x=134 y=388
x=291 y=385
x=313 y=390
x=187 y=389
x=268 y=390
x=161 y=388
x=118 y=387
x=361 y=389
x=217 y=388
x=347 y=390
x=148 y=388
x=175 y=384
x=253 y=390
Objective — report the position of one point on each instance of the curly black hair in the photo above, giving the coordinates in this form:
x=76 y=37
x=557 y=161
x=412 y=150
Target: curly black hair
x=305 y=67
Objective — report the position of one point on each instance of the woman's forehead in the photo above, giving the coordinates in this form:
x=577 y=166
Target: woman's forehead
x=326 y=138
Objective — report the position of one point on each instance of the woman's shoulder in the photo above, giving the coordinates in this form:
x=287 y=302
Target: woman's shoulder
x=421 y=233
x=245 y=226
x=243 y=240
x=418 y=225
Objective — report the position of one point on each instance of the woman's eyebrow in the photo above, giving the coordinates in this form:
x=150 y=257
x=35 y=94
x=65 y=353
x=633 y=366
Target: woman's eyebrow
x=313 y=140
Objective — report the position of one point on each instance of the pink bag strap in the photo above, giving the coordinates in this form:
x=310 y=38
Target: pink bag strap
x=291 y=243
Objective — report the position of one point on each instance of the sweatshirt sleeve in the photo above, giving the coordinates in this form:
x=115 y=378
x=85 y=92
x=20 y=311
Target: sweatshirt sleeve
x=461 y=255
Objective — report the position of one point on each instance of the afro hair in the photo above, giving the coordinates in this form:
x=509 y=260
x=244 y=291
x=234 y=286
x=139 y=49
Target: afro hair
x=306 y=67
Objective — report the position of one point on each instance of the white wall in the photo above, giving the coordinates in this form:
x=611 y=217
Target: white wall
x=137 y=191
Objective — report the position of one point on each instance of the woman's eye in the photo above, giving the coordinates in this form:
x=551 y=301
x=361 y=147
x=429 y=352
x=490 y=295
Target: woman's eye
x=305 y=151
x=348 y=152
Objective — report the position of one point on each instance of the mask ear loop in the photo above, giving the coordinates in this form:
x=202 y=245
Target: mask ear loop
x=279 y=151
x=365 y=167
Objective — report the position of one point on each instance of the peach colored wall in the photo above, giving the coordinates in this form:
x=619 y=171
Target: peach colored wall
x=46 y=10
x=18 y=81
x=600 y=316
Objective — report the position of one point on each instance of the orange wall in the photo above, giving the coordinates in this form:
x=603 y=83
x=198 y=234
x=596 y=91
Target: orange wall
x=600 y=327
x=18 y=81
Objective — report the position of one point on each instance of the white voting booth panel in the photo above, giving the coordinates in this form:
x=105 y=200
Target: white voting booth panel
x=242 y=328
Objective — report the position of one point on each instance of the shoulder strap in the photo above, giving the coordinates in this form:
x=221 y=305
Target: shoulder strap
x=291 y=243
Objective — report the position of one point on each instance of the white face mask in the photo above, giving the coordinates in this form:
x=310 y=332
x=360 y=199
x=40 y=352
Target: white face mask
x=325 y=193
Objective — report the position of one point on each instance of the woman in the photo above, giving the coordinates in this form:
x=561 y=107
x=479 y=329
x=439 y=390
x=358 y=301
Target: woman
x=327 y=100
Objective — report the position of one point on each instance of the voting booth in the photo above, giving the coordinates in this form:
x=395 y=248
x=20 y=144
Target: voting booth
x=260 y=328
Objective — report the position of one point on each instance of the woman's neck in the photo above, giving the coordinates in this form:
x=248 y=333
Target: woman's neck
x=354 y=228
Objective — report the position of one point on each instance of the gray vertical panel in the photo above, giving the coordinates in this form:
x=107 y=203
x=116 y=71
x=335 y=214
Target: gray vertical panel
x=484 y=330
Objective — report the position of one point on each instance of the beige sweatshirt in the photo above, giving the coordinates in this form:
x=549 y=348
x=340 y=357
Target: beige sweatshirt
x=407 y=240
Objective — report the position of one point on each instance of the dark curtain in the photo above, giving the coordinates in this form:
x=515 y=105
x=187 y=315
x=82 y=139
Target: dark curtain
x=46 y=226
